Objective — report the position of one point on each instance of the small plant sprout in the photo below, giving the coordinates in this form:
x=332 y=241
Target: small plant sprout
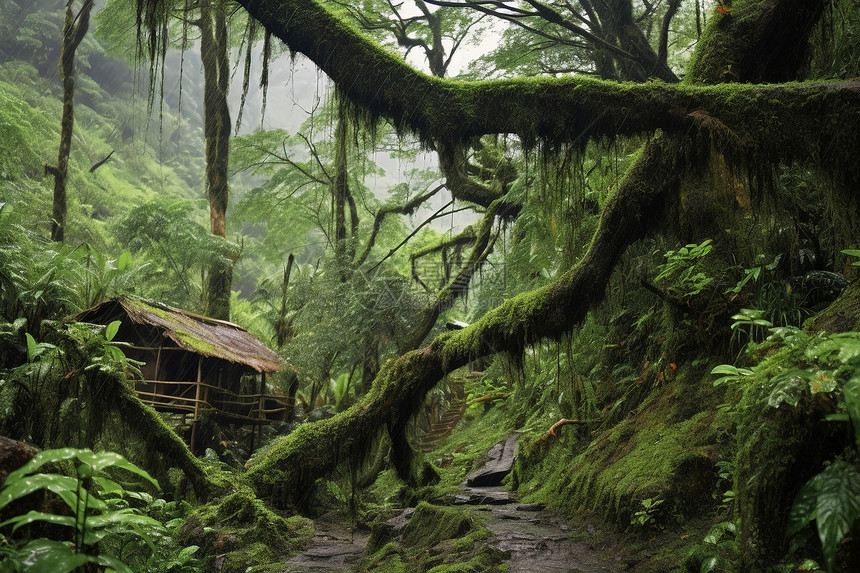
x=646 y=517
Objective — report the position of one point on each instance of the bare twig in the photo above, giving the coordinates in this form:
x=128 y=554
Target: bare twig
x=559 y=424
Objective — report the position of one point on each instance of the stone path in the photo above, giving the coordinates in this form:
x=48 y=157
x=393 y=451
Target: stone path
x=538 y=540
x=334 y=548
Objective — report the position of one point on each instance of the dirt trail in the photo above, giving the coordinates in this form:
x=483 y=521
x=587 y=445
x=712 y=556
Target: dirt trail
x=537 y=540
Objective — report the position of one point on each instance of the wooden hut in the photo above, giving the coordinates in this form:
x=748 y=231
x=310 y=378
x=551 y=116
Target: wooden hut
x=194 y=364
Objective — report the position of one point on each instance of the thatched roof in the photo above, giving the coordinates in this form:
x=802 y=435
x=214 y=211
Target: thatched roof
x=192 y=332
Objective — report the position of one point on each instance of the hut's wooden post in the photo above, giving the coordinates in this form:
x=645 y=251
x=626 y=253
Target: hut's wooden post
x=196 y=405
x=158 y=371
x=255 y=426
x=260 y=413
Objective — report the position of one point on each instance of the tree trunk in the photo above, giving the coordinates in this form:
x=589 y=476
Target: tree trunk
x=339 y=193
x=216 y=126
x=74 y=30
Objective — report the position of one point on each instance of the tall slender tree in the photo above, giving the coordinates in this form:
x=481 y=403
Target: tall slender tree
x=216 y=127
x=75 y=26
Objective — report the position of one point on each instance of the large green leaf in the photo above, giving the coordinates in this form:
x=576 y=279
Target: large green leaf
x=42 y=458
x=804 y=506
x=788 y=388
x=33 y=516
x=112 y=329
x=108 y=487
x=47 y=556
x=709 y=564
x=121 y=517
x=123 y=260
x=25 y=485
x=726 y=369
x=851 y=392
x=838 y=506
x=111 y=562
x=100 y=461
x=844 y=347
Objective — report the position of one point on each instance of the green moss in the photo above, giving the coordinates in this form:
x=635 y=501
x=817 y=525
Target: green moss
x=487 y=560
x=385 y=560
x=655 y=453
x=431 y=524
x=243 y=528
x=436 y=538
x=841 y=316
x=778 y=450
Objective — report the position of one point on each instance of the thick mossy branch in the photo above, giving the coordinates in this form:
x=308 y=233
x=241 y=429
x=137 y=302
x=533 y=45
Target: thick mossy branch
x=803 y=121
x=293 y=464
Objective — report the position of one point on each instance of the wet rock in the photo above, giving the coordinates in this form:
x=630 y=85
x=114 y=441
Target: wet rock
x=334 y=547
x=481 y=496
x=530 y=507
x=501 y=460
x=13 y=455
x=395 y=526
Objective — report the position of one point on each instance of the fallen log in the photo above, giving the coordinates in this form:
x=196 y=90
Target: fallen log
x=297 y=460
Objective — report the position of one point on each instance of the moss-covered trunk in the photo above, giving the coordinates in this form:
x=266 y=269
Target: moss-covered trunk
x=147 y=425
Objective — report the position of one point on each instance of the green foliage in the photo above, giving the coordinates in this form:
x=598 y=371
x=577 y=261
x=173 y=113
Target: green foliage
x=717 y=552
x=730 y=374
x=835 y=43
x=646 y=517
x=853 y=253
x=680 y=271
x=753 y=274
x=168 y=234
x=832 y=500
x=487 y=386
x=725 y=475
x=341 y=390
x=805 y=367
x=749 y=322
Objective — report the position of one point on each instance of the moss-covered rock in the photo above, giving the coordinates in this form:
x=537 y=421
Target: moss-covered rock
x=436 y=538
x=240 y=532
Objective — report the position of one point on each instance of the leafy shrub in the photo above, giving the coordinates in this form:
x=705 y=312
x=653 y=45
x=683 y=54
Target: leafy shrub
x=101 y=516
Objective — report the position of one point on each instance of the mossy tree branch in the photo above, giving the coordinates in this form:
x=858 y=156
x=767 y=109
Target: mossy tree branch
x=808 y=121
x=482 y=242
x=407 y=208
